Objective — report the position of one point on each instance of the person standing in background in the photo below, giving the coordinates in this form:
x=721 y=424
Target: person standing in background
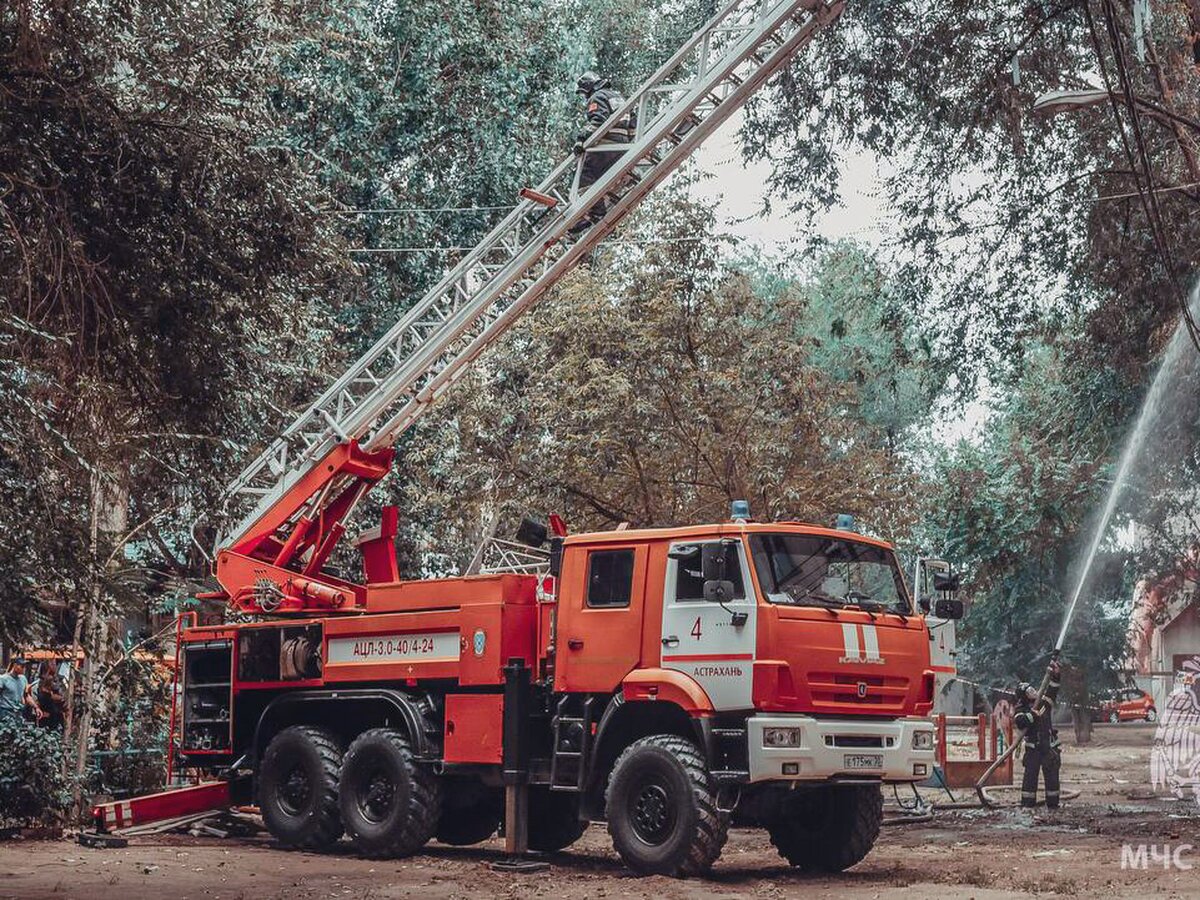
x=15 y=697
x=50 y=695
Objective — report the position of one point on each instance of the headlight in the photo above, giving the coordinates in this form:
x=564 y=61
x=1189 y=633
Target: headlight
x=922 y=740
x=781 y=737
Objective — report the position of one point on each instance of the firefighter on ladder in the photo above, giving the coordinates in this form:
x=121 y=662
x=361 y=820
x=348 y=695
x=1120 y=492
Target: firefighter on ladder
x=602 y=101
x=1042 y=751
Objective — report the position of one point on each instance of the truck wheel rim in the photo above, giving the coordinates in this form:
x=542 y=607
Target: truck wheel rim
x=375 y=797
x=653 y=814
x=294 y=791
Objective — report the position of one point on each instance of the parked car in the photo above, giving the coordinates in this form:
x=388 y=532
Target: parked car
x=1126 y=705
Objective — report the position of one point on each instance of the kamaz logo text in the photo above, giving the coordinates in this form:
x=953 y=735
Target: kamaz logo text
x=869 y=652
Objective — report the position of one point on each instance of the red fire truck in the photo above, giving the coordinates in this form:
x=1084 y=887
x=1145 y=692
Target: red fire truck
x=668 y=681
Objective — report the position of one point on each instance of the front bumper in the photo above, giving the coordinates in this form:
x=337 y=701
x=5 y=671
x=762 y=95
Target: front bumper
x=839 y=749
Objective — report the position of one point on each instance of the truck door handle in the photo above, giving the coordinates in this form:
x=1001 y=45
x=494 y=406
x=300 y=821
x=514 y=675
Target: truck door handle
x=670 y=641
x=575 y=643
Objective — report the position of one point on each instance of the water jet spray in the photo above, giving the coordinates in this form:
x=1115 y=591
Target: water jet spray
x=1180 y=341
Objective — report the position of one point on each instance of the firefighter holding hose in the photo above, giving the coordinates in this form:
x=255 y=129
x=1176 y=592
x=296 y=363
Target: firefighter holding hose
x=1042 y=751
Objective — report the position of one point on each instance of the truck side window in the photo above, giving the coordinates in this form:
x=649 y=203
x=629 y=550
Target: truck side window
x=610 y=578
x=689 y=582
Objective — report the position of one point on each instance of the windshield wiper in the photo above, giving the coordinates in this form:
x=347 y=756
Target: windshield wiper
x=863 y=602
x=822 y=600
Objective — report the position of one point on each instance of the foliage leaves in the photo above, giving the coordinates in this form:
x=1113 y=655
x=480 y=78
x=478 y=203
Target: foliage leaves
x=180 y=186
x=997 y=210
x=659 y=383
x=32 y=787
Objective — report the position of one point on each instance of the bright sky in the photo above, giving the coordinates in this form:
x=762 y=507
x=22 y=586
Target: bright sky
x=739 y=189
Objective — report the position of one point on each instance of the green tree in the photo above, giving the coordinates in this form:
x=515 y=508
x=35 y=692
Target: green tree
x=653 y=387
x=866 y=333
x=160 y=263
x=1014 y=512
x=1010 y=221
x=424 y=118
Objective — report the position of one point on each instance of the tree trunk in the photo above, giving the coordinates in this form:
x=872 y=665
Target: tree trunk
x=109 y=509
x=1082 y=720
x=1075 y=692
x=1194 y=36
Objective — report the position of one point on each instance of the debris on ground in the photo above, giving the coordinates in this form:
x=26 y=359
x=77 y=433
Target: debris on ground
x=1074 y=851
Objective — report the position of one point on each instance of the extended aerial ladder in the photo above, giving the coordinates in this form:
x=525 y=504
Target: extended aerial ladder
x=285 y=512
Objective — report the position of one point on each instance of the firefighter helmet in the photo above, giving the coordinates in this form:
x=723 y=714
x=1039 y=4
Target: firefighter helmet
x=1023 y=690
x=589 y=82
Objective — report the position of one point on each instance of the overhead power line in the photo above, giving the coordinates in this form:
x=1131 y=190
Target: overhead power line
x=879 y=227
x=610 y=243
x=1157 y=190
x=396 y=210
x=1147 y=194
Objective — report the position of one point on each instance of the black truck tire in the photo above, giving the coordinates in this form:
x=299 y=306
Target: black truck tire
x=389 y=803
x=829 y=829
x=471 y=813
x=661 y=805
x=553 y=819
x=298 y=785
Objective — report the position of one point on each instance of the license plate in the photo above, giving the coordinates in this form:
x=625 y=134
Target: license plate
x=864 y=761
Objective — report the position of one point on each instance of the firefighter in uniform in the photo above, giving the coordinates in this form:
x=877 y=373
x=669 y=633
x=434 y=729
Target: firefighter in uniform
x=1042 y=752
x=602 y=101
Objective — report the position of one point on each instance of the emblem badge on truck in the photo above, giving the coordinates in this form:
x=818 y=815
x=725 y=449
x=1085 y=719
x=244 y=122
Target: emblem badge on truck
x=480 y=641
x=862 y=689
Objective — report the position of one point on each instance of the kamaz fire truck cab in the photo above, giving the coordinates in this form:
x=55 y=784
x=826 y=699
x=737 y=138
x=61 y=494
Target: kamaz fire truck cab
x=792 y=622
x=668 y=681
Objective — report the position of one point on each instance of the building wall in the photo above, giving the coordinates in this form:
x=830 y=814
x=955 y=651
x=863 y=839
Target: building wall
x=1178 y=638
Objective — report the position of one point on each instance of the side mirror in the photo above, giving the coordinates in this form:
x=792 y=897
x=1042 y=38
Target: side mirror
x=947 y=581
x=714 y=560
x=948 y=609
x=717 y=591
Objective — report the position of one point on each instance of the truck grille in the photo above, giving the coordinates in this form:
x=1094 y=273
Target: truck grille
x=854 y=741
x=883 y=693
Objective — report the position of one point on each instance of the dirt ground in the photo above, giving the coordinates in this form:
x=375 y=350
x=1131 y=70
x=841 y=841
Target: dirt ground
x=961 y=853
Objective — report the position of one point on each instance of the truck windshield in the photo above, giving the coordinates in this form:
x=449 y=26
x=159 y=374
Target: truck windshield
x=810 y=570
